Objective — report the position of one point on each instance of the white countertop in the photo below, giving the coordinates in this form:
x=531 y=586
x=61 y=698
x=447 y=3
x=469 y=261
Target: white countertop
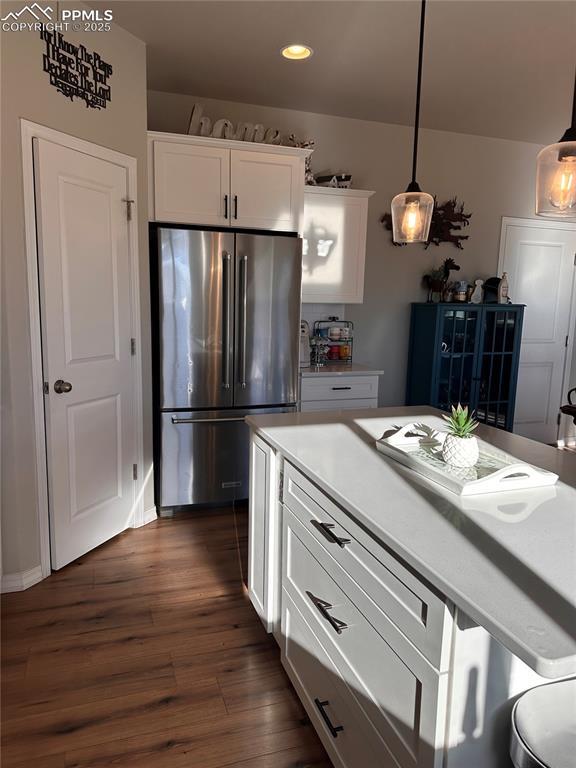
x=341 y=369
x=508 y=560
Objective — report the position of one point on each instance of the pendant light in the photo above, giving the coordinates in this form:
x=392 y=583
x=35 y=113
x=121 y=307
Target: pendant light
x=556 y=175
x=412 y=210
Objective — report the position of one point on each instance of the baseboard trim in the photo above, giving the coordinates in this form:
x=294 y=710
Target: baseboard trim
x=150 y=515
x=18 y=582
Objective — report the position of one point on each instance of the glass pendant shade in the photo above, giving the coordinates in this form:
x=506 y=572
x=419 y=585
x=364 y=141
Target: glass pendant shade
x=556 y=180
x=411 y=217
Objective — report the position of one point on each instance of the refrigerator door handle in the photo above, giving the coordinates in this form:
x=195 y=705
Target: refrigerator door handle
x=226 y=318
x=176 y=420
x=243 y=317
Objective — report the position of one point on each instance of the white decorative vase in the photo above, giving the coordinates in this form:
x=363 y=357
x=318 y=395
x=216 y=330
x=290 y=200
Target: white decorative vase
x=460 y=451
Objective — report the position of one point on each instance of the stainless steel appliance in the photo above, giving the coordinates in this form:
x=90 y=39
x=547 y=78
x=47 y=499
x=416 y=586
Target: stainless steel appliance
x=227 y=315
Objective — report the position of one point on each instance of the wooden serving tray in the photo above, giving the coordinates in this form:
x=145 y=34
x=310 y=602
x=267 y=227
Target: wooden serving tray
x=419 y=447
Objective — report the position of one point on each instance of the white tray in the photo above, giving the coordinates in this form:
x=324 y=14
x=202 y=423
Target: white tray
x=419 y=447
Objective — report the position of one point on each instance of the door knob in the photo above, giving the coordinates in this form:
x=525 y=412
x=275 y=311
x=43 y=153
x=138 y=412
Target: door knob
x=61 y=386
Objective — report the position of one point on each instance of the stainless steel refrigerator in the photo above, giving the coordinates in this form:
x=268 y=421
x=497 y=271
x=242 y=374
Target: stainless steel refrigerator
x=226 y=345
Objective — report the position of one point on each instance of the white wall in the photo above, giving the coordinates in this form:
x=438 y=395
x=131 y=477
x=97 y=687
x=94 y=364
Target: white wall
x=494 y=177
x=26 y=93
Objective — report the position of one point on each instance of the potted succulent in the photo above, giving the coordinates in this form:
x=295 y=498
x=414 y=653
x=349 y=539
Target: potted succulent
x=460 y=448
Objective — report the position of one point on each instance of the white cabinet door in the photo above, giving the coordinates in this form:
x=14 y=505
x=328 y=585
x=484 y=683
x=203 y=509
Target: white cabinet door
x=267 y=190
x=191 y=184
x=264 y=535
x=334 y=247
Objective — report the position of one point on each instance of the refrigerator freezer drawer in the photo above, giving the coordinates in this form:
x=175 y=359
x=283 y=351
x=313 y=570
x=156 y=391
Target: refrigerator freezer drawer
x=205 y=456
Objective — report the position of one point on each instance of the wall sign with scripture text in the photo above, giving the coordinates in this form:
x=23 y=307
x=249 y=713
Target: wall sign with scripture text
x=76 y=72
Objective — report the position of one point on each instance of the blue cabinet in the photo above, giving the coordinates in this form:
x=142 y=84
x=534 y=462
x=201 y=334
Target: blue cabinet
x=466 y=353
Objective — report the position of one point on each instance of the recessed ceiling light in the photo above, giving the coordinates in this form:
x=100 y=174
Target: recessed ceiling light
x=297 y=52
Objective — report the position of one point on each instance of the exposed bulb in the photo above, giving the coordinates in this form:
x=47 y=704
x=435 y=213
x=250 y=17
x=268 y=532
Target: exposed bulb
x=562 y=193
x=411 y=223
x=411 y=216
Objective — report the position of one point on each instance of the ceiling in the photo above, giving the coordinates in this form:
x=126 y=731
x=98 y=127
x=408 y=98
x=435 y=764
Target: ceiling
x=502 y=69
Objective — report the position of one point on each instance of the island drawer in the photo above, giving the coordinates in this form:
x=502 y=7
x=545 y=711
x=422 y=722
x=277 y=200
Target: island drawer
x=349 y=738
x=394 y=592
x=339 y=388
x=394 y=686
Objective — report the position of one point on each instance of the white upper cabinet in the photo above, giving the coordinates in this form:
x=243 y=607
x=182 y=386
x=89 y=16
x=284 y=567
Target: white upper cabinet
x=191 y=183
x=334 y=234
x=198 y=180
x=267 y=190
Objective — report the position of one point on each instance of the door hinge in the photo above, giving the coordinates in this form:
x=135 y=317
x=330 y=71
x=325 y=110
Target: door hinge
x=559 y=419
x=129 y=204
x=132 y=347
x=280 y=485
x=135 y=471
x=46 y=388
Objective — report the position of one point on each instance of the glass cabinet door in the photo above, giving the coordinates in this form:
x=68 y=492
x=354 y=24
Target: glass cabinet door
x=460 y=330
x=496 y=368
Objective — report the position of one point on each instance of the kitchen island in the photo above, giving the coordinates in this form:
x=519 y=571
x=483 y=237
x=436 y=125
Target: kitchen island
x=427 y=612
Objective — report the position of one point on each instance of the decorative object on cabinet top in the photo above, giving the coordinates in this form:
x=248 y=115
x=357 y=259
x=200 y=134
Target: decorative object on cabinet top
x=200 y=125
x=445 y=218
x=437 y=279
x=333 y=179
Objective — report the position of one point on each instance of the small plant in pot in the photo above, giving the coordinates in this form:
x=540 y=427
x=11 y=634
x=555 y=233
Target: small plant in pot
x=460 y=448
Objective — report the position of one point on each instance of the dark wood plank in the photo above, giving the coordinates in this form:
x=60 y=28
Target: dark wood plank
x=208 y=744
x=146 y=652
x=98 y=682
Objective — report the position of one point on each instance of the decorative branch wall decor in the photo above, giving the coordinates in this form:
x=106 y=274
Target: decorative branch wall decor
x=76 y=72
x=446 y=217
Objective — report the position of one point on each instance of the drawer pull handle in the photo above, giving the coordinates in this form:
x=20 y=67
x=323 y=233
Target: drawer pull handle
x=323 y=607
x=338 y=388
x=326 y=530
x=334 y=729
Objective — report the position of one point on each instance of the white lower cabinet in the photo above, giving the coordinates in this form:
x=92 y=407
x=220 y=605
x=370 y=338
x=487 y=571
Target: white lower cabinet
x=390 y=685
x=391 y=674
x=347 y=735
x=342 y=392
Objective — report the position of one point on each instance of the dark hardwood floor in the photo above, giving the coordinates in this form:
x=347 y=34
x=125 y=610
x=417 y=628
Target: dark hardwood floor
x=146 y=652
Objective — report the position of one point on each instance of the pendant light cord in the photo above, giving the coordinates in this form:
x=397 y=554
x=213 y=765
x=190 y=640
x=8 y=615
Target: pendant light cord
x=418 y=89
x=574 y=105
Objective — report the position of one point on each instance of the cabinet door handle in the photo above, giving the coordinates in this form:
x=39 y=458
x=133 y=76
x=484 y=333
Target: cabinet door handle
x=334 y=729
x=323 y=607
x=226 y=207
x=235 y=206
x=340 y=388
x=326 y=530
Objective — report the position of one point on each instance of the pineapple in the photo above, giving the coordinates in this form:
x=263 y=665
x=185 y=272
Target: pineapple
x=460 y=447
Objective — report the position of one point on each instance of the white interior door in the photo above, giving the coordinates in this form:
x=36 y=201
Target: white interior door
x=539 y=259
x=84 y=273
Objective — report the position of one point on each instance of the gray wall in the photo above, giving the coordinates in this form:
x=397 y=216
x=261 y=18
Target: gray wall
x=26 y=93
x=494 y=177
